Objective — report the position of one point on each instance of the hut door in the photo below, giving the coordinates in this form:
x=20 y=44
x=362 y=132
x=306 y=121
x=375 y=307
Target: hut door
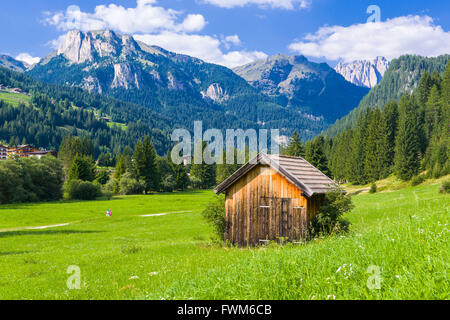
x=284 y=217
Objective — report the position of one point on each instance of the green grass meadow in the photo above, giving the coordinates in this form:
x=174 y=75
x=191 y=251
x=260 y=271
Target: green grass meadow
x=404 y=234
x=14 y=98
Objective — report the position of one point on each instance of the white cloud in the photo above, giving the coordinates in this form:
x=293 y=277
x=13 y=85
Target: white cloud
x=193 y=22
x=145 y=17
x=278 y=4
x=27 y=58
x=155 y=25
x=204 y=47
x=391 y=39
x=54 y=44
x=234 y=39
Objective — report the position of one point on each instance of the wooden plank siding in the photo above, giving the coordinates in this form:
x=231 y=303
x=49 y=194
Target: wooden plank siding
x=255 y=204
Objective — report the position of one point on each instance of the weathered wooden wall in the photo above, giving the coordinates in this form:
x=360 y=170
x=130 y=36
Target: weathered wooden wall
x=263 y=205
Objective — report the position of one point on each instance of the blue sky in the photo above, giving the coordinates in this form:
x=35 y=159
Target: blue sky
x=233 y=32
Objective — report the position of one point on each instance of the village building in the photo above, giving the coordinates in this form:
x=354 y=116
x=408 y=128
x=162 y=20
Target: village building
x=22 y=151
x=25 y=151
x=272 y=198
x=3 y=152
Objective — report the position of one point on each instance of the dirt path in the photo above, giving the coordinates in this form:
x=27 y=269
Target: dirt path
x=71 y=223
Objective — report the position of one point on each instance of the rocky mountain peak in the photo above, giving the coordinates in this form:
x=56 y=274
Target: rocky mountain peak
x=80 y=47
x=364 y=73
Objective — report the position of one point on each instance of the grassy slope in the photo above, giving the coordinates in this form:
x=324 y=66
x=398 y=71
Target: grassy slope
x=403 y=232
x=14 y=98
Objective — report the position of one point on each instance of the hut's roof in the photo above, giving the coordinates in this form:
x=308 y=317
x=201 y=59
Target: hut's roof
x=298 y=171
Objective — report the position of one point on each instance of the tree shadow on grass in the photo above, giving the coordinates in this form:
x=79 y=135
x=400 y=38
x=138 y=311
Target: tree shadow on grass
x=13 y=253
x=28 y=205
x=44 y=233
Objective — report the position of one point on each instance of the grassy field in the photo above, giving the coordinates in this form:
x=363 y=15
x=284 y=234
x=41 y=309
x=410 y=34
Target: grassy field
x=14 y=98
x=404 y=233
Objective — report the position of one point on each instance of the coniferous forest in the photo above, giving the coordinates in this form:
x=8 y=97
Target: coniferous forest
x=406 y=138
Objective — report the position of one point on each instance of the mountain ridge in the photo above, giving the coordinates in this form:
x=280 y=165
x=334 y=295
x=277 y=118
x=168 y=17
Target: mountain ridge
x=12 y=64
x=297 y=83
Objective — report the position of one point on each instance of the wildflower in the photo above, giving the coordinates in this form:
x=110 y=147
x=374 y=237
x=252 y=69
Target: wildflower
x=331 y=296
x=134 y=278
x=153 y=274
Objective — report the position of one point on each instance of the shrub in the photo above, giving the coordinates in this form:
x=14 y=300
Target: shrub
x=330 y=220
x=103 y=177
x=196 y=183
x=445 y=187
x=82 y=168
x=417 y=180
x=215 y=215
x=168 y=184
x=128 y=185
x=82 y=190
x=30 y=179
x=373 y=188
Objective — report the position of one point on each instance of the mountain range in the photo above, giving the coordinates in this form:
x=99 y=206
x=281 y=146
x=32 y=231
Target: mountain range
x=282 y=92
x=308 y=97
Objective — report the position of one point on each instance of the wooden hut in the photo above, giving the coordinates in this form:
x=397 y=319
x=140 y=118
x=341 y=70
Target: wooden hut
x=272 y=198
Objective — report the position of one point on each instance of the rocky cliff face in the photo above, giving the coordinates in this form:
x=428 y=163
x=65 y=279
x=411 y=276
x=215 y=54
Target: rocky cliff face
x=364 y=73
x=125 y=77
x=216 y=93
x=80 y=47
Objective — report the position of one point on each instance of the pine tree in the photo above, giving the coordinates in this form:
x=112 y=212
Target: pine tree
x=82 y=168
x=374 y=148
x=389 y=125
x=295 y=147
x=204 y=173
x=407 y=147
x=120 y=167
x=437 y=124
x=145 y=165
x=315 y=155
x=225 y=170
x=358 y=150
x=424 y=88
x=180 y=175
x=340 y=163
x=432 y=113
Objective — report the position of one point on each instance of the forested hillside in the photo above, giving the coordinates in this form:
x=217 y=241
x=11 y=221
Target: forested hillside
x=402 y=77
x=405 y=138
x=56 y=111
